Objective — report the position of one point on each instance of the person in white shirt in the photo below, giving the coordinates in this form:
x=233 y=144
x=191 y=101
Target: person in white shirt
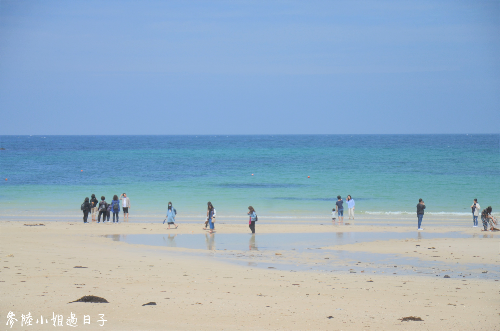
x=350 y=205
x=475 y=213
x=125 y=205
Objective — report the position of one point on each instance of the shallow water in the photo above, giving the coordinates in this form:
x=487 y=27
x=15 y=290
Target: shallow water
x=305 y=252
x=273 y=241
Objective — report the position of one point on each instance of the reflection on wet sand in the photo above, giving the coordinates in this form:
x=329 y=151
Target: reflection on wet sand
x=170 y=240
x=252 y=245
x=210 y=241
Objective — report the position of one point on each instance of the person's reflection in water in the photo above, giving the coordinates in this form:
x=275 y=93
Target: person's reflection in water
x=170 y=240
x=252 y=246
x=419 y=235
x=210 y=241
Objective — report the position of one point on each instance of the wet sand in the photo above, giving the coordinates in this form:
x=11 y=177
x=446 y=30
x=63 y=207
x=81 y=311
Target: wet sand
x=200 y=292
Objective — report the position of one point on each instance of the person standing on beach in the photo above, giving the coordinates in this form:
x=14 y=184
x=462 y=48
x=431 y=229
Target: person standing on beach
x=340 y=208
x=253 y=219
x=86 y=209
x=171 y=212
x=350 y=205
x=475 y=213
x=125 y=204
x=420 y=213
x=103 y=210
x=93 y=205
x=210 y=214
x=334 y=216
x=115 y=208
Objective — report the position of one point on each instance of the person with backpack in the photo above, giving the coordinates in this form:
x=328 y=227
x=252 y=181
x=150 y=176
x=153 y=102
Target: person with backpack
x=86 y=209
x=210 y=215
x=115 y=207
x=253 y=219
x=103 y=210
x=171 y=212
x=93 y=205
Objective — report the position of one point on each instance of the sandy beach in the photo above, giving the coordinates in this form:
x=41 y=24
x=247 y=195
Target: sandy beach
x=46 y=267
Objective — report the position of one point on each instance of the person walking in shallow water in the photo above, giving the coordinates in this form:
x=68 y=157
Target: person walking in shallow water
x=420 y=213
x=252 y=220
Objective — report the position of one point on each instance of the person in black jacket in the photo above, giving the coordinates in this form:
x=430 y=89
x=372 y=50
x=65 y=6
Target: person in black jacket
x=420 y=212
x=86 y=209
x=103 y=210
x=93 y=205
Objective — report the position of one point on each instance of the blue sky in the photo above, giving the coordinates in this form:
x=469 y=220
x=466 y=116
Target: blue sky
x=249 y=67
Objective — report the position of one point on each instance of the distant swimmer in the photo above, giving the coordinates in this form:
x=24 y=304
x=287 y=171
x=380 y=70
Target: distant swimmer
x=420 y=213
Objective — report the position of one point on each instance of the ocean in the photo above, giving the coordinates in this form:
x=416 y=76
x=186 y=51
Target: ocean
x=281 y=176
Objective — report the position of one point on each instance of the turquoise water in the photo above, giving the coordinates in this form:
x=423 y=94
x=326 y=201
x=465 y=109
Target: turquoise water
x=385 y=174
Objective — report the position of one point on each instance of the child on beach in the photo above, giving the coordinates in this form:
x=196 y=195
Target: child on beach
x=334 y=214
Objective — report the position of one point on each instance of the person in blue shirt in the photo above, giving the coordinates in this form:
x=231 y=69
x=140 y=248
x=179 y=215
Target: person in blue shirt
x=253 y=219
x=115 y=208
x=350 y=205
x=171 y=212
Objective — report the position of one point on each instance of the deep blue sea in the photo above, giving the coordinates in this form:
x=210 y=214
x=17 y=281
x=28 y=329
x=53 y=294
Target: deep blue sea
x=385 y=174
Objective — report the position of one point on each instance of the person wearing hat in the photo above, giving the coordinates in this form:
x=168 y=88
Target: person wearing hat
x=94 y=207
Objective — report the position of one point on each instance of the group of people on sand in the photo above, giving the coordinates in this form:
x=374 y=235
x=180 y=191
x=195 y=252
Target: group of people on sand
x=102 y=208
x=338 y=211
x=486 y=217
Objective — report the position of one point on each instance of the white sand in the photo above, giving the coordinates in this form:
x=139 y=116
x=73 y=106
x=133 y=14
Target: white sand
x=197 y=292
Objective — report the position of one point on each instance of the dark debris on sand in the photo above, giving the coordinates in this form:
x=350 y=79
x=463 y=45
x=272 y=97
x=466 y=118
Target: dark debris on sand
x=411 y=318
x=40 y=224
x=79 y=266
x=91 y=299
x=149 y=304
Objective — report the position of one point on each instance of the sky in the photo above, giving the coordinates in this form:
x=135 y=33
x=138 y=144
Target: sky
x=249 y=67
